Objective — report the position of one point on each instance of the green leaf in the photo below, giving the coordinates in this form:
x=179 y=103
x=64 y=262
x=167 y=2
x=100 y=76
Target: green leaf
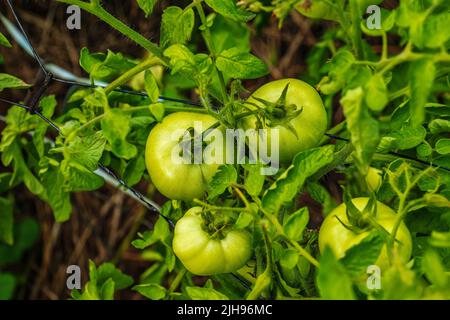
x=176 y=26
x=196 y=293
x=364 y=130
x=86 y=150
x=363 y=254
x=4 y=41
x=304 y=165
x=6 y=221
x=58 y=198
x=443 y=146
x=440 y=239
x=26 y=233
x=228 y=8
x=424 y=150
x=421 y=79
x=9 y=81
x=7 y=286
x=222 y=179
x=152 y=291
x=400 y=282
x=147 y=6
x=332 y=281
x=161 y=232
x=439 y=125
x=47 y=105
x=435 y=32
x=106 y=291
x=240 y=65
x=289 y=258
x=376 y=97
x=134 y=170
x=406 y=138
x=296 y=224
x=115 y=127
x=339 y=66
x=223 y=35
x=105 y=67
x=151 y=86
x=157 y=110
x=109 y=271
x=321 y=195
x=244 y=220
x=254 y=180
x=434 y=270
x=197 y=67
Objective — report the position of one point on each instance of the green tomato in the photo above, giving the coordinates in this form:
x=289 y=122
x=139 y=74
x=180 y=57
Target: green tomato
x=316 y=10
x=310 y=125
x=203 y=253
x=173 y=177
x=374 y=179
x=340 y=239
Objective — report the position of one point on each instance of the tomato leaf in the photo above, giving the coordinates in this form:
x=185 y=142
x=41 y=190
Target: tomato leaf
x=296 y=224
x=376 y=96
x=228 y=8
x=332 y=281
x=421 y=79
x=176 y=26
x=363 y=128
x=151 y=86
x=304 y=165
x=147 y=6
x=4 y=41
x=222 y=179
x=196 y=293
x=363 y=254
x=443 y=146
x=240 y=65
x=9 y=81
x=254 y=180
x=7 y=286
x=115 y=127
x=152 y=291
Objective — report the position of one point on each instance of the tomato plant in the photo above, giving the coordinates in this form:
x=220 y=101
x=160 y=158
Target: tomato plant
x=355 y=103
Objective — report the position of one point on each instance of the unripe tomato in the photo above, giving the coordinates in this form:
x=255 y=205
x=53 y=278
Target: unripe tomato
x=310 y=125
x=340 y=239
x=316 y=10
x=374 y=179
x=172 y=177
x=208 y=253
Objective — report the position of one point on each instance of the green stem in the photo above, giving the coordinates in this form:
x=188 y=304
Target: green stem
x=208 y=40
x=356 y=30
x=127 y=76
x=212 y=207
x=130 y=110
x=96 y=9
x=176 y=282
x=280 y=231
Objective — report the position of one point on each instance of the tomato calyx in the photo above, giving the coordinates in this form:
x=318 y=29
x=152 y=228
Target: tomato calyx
x=277 y=113
x=359 y=221
x=215 y=225
x=192 y=144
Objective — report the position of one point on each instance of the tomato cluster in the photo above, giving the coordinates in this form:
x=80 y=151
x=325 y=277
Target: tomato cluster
x=295 y=110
